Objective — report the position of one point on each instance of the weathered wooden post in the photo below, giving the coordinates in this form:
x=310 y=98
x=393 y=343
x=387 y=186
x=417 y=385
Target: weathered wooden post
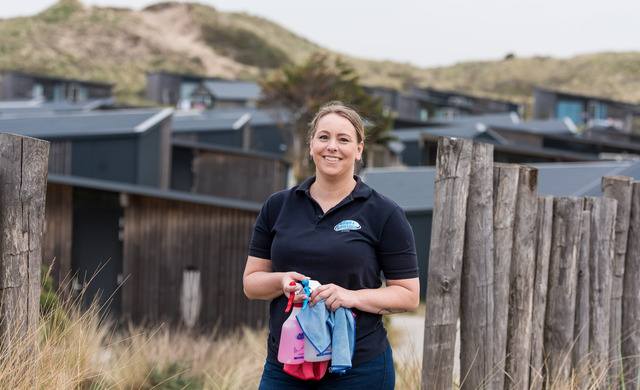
x=544 y=227
x=631 y=296
x=453 y=168
x=603 y=216
x=505 y=185
x=476 y=311
x=23 y=183
x=561 y=299
x=580 y=350
x=521 y=281
x=618 y=188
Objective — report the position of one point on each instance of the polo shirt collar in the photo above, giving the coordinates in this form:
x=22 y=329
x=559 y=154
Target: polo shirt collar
x=360 y=191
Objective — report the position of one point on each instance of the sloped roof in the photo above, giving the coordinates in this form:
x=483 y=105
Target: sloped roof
x=226 y=150
x=413 y=188
x=471 y=126
x=468 y=127
x=233 y=90
x=580 y=179
x=81 y=124
x=31 y=107
x=56 y=78
x=563 y=126
x=507 y=118
x=222 y=119
x=481 y=128
x=133 y=189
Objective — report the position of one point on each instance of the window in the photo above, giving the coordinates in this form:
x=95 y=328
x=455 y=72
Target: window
x=37 y=91
x=597 y=110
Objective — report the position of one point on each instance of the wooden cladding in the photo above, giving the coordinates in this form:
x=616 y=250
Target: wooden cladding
x=162 y=238
x=58 y=232
x=237 y=176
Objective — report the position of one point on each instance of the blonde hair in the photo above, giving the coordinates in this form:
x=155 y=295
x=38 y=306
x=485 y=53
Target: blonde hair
x=344 y=111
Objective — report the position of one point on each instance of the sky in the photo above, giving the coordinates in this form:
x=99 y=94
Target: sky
x=429 y=33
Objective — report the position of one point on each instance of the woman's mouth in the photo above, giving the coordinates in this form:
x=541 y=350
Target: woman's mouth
x=333 y=159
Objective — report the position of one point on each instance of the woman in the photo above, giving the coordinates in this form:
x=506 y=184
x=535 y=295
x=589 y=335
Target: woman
x=337 y=230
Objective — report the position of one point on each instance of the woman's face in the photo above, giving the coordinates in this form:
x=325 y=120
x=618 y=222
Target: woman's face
x=334 y=146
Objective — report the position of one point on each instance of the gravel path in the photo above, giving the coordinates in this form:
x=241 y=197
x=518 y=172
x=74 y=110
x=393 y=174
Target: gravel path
x=408 y=337
x=408 y=340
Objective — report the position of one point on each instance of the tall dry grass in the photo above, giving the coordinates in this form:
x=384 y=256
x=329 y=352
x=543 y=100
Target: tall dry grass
x=81 y=348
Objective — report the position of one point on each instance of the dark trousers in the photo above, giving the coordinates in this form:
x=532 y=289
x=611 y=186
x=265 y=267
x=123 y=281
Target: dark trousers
x=375 y=374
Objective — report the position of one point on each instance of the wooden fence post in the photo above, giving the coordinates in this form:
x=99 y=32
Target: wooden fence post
x=445 y=261
x=505 y=191
x=476 y=311
x=618 y=188
x=561 y=301
x=23 y=183
x=603 y=215
x=540 y=287
x=631 y=296
x=521 y=281
x=580 y=350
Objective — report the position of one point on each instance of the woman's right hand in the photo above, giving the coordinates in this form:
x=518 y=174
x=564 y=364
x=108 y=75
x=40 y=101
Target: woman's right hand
x=289 y=289
x=261 y=282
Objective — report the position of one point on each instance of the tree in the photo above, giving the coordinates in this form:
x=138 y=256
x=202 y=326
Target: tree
x=303 y=89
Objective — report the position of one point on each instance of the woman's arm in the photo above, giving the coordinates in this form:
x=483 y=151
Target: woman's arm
x=260 y=282
x=397 y=296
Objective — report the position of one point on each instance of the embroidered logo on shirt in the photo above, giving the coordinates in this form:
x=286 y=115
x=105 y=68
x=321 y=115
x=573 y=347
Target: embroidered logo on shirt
x=347 y=225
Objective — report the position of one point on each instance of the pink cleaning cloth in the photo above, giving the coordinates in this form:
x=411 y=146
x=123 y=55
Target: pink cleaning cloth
x=307 y=370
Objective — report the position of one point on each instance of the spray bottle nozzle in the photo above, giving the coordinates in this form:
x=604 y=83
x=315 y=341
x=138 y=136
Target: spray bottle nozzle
x=307 y=286
x=307 y=292
x=291 y=296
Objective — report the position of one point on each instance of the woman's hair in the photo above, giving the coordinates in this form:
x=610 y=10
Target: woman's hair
x=338 y=108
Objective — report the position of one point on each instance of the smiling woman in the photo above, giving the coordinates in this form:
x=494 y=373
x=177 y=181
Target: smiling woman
x=334 y=229
x=336 y=143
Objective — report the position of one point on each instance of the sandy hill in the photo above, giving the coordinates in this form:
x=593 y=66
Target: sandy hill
x=119 y=46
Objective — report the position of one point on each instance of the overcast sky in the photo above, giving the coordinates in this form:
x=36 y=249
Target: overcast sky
x=430 y=33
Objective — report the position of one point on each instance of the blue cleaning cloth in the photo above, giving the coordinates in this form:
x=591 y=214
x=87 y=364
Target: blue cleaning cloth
x=325 y=328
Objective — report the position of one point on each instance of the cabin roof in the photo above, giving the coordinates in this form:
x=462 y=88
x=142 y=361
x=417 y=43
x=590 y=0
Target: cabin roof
x=81 y=124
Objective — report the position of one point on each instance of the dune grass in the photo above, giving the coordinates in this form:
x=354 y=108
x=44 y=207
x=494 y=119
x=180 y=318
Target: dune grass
x=81 y=348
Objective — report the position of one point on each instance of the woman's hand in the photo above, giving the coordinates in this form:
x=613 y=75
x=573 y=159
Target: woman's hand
x=398 y=296
x=335 y=296
x=288 y=289
x=261 y=282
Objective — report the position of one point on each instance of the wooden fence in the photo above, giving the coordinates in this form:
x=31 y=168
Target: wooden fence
x=545 y=289
x=23 y=183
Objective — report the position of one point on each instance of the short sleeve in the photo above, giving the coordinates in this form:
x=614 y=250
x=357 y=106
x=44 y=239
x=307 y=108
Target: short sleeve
x=396 y=249
x=262 y=234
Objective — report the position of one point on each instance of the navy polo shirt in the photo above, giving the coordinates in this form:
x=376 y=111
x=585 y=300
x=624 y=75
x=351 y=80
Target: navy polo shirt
x=350 y=245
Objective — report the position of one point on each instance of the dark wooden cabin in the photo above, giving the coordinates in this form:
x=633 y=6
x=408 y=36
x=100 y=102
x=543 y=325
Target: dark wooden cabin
x=227 y=172
x=127 y=146
x=585 y=111
x=16 y=85
x=134 y=244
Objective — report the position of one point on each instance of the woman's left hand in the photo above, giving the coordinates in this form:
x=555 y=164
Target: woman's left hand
x=335 y=296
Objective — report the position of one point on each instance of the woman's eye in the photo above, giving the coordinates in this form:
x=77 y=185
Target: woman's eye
x=344 y=140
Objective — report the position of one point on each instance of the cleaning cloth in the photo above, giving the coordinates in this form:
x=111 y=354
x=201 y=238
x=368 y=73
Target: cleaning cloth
x=324 y=328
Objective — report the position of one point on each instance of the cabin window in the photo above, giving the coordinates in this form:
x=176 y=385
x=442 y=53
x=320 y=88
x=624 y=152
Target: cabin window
x=568 y=109
x=597 y=110
x=37 y=91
